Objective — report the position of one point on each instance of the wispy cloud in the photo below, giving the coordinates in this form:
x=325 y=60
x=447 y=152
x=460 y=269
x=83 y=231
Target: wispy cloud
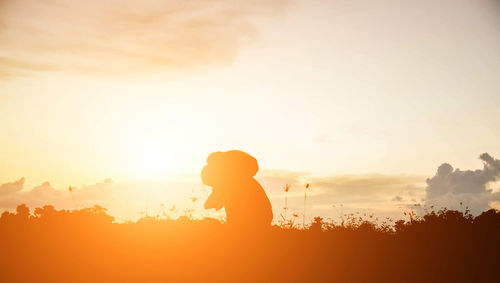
x=370 y=193
x=367 y=185
x=120 y=36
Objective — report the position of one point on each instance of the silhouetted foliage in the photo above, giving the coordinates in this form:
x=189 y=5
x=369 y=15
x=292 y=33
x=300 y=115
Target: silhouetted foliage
x=85 y=245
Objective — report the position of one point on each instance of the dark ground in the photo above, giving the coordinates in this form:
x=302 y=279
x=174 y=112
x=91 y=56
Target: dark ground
x=86 y=246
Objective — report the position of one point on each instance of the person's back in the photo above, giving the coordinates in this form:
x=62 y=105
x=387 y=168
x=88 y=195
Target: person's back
x=248 y=204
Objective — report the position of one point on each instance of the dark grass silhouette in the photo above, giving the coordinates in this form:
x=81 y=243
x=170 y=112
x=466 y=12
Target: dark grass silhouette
x=48 y=245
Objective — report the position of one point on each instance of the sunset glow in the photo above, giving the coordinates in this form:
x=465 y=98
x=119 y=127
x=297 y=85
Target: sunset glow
x=144 y=92
x=250 y=141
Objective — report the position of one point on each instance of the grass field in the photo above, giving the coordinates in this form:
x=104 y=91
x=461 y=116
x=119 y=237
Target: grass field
x=86 y=245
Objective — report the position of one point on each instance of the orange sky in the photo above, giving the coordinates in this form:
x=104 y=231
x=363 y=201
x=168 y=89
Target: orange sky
x=142 y=91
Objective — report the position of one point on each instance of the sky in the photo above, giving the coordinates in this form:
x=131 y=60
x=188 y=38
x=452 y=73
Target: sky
x=362 y=99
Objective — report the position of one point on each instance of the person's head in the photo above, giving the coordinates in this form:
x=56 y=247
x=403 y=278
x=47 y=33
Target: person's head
x=230 y=167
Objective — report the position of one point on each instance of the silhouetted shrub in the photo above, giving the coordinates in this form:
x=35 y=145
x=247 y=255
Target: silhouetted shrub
x=85 y=245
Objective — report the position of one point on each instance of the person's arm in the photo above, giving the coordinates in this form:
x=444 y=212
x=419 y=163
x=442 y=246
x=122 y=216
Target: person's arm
x=215 y=200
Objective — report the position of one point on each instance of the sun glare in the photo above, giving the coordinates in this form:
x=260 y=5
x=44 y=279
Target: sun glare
x=151 y=158
x=152 y=164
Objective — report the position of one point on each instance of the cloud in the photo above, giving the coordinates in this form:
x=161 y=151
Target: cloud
x=125 y=200
x=450 y=188
x=397 y=199
x=343 y=186
x=370 y=193
x=124 y=36
x=12 y=194
x=12 y=187
x=367 y=186
x=364 y=193
x=38 y=196
x=275 y=180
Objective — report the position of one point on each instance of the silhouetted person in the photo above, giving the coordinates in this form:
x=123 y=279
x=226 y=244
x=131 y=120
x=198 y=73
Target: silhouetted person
x=231 y=176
